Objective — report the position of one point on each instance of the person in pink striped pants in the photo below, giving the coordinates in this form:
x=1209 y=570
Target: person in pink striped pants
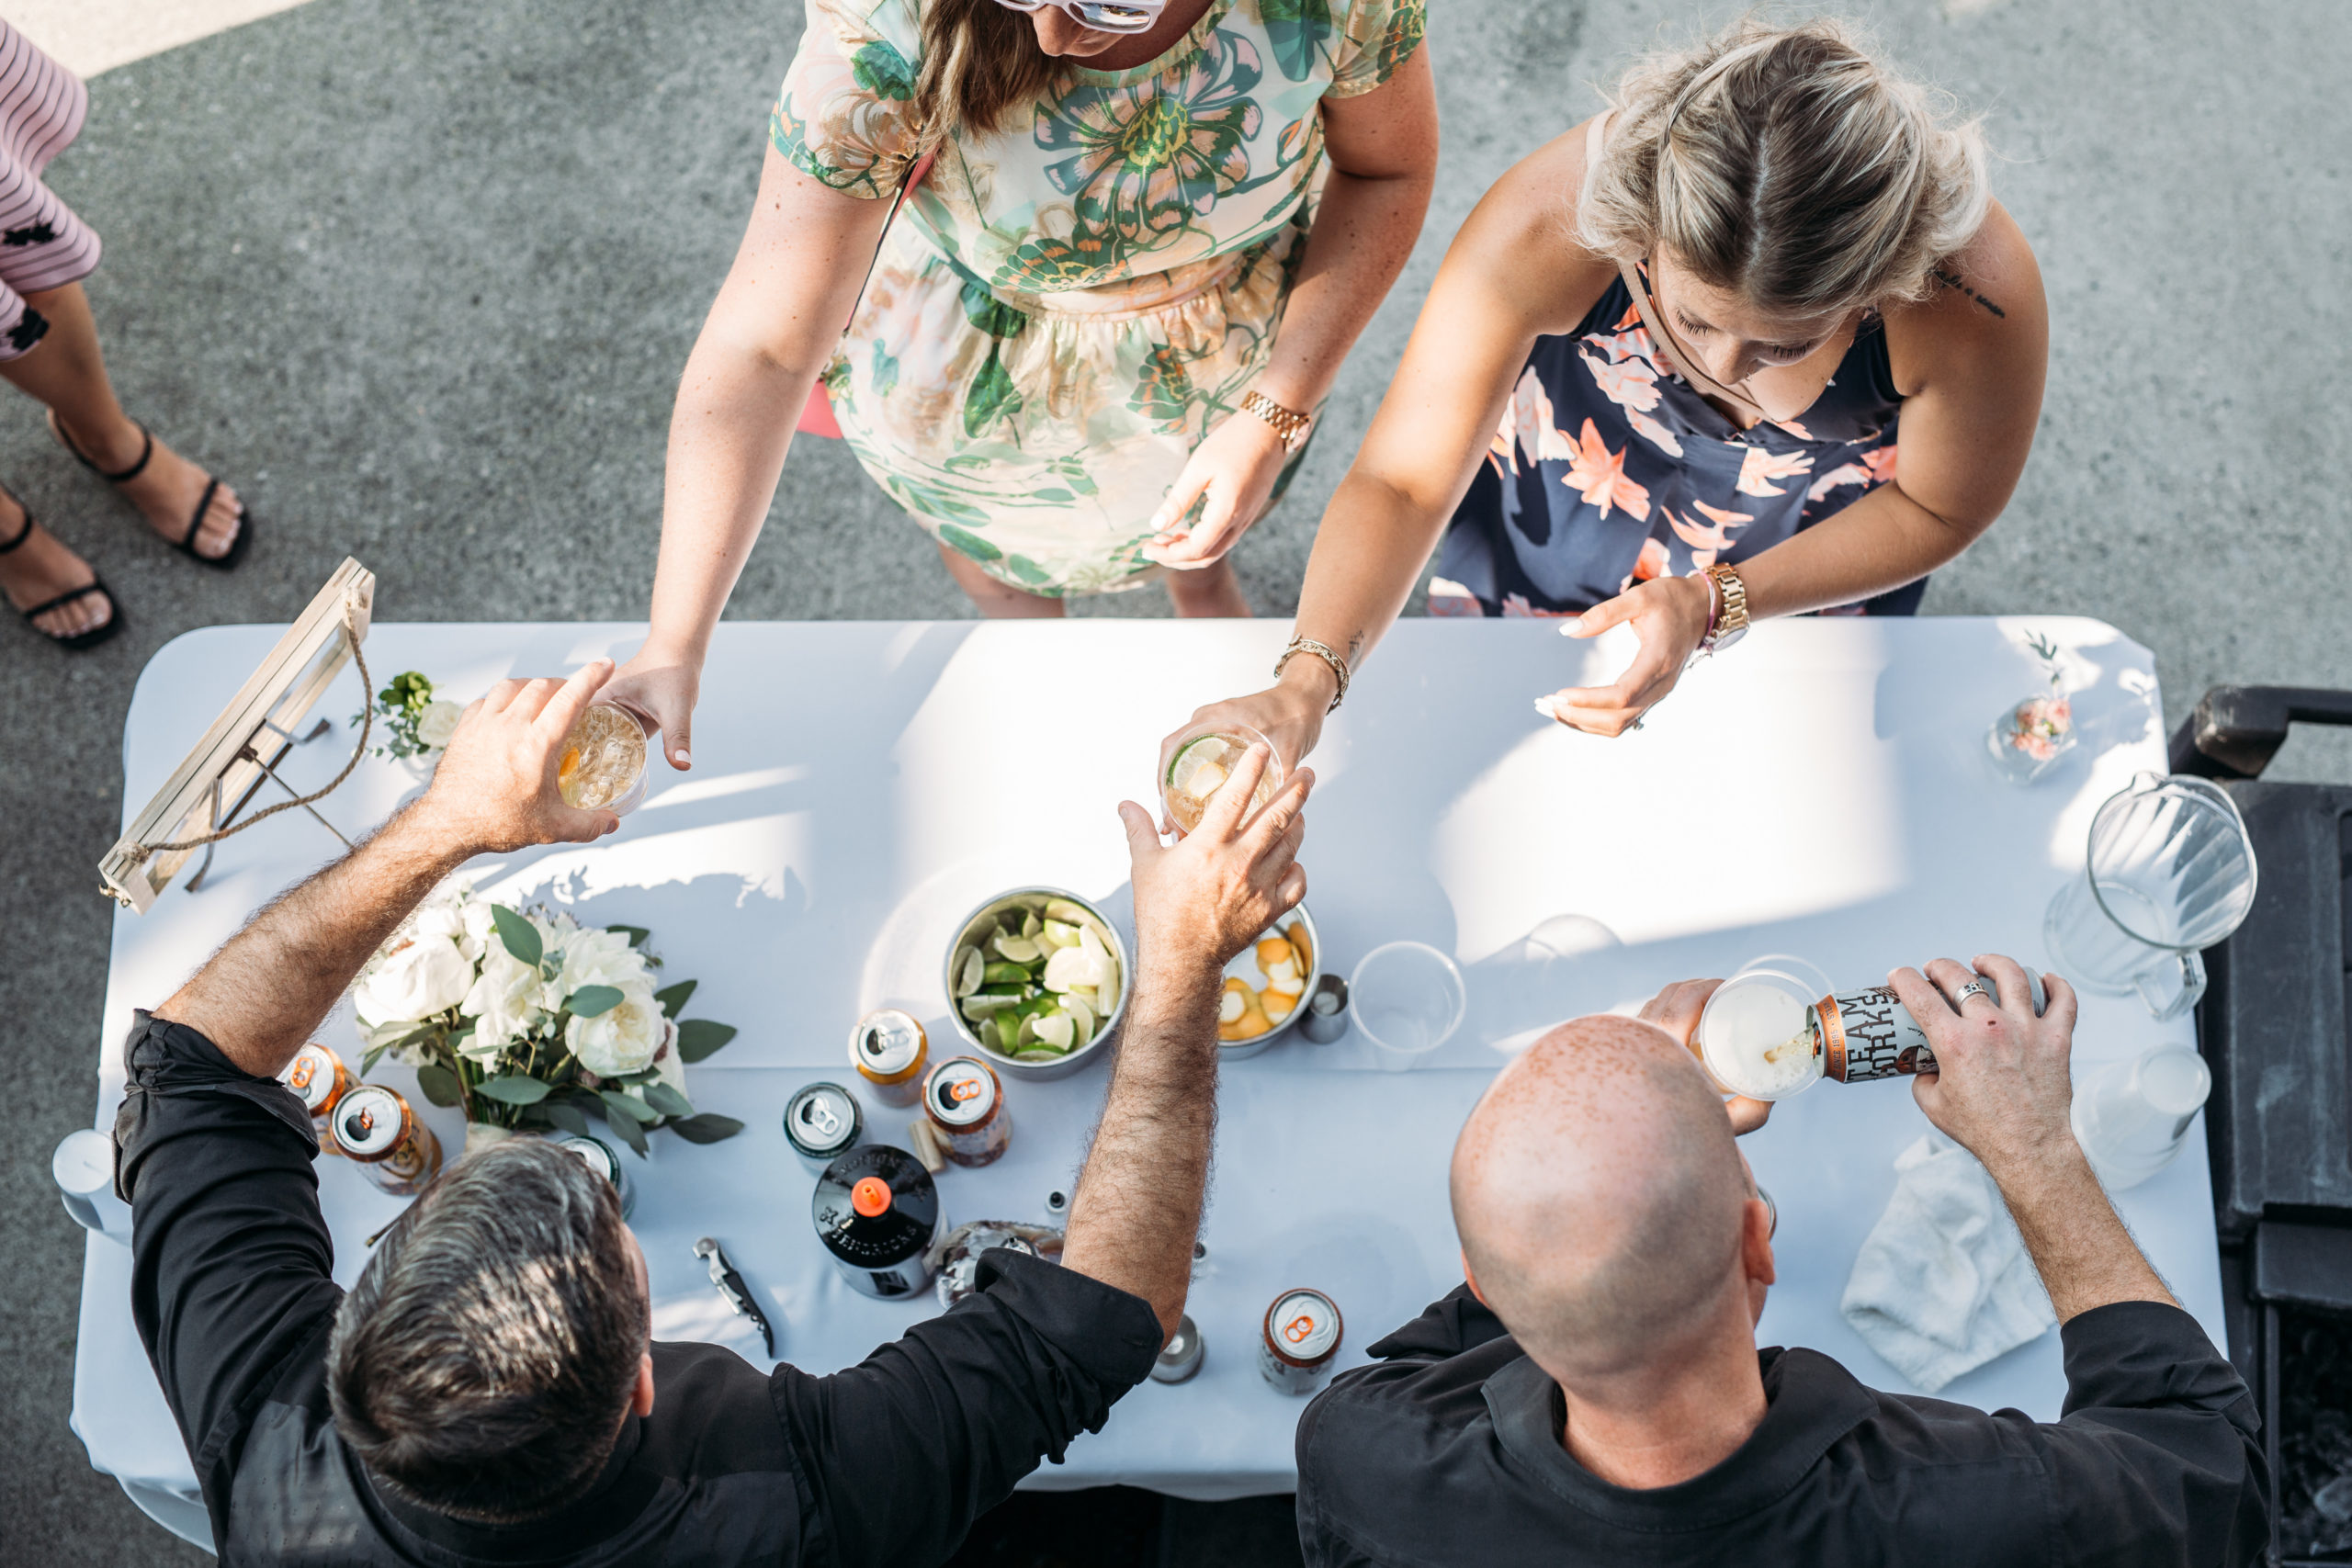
x=49 y=350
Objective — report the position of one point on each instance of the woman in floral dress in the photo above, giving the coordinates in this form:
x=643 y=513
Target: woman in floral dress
x=1756 y=342
x=1128 y=267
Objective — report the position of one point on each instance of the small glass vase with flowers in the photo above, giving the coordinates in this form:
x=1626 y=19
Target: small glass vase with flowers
x=2032 y=733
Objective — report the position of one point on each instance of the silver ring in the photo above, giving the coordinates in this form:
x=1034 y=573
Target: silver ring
x=1976 y=987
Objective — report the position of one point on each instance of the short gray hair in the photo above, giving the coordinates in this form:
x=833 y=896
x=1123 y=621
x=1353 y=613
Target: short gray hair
x=482 y=1364
x=1789 y=166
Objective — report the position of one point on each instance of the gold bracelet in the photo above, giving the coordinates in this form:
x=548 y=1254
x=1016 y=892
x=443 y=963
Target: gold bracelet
x=1322 y=651
x=1290 y=426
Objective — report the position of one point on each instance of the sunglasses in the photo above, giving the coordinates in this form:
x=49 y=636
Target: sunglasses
x=1102 y=16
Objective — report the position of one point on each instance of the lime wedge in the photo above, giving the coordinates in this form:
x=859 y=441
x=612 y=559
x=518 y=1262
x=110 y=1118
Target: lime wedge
x=1054 y=1029
x=1065 y=912
x=1019 y=949
x=1081 y=1017
x=1030 y=923
x=1059 y=934
x=970 y=969
x=1038 y=1053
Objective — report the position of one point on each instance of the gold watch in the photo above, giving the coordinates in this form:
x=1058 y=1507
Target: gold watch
x=1291 y=427
x=1731 y=616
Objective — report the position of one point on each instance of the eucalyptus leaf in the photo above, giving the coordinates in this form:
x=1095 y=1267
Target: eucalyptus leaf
x=698 y=1037
x=559 y=1113
x=636 y=934
x=521 y=936
x=628 y=1132
x=593 y=1002
x=511 y=1089
x=668 y=1100
x=439 y=1084
x=631 y=1108
x=674 y=998
x=375 y=1054
x=708 y=1128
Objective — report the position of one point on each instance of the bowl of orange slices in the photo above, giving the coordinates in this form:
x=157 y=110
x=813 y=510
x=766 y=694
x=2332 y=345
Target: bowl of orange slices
x=1266 y=986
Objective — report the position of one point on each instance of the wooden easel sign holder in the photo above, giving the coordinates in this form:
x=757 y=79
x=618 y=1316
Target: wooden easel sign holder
x=217 y=779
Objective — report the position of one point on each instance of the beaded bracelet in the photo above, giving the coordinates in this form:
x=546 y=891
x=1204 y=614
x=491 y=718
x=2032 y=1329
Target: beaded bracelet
x=1322 y=651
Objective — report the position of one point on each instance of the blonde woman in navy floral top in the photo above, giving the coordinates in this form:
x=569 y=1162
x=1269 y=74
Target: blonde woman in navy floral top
x=1089 y=348
x=1758 y=331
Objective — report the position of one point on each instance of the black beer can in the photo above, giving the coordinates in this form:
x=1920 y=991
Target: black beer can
x=823 y=1123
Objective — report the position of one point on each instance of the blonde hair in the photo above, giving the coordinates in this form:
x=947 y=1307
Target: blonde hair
x=1788 y=165
x=980 y=61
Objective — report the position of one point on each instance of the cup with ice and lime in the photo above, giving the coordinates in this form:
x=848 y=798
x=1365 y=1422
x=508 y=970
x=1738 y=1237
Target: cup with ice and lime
x=1199 y=763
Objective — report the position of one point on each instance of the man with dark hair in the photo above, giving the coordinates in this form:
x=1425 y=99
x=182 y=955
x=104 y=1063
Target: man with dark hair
x=489 y=1392
x=1593 y=1393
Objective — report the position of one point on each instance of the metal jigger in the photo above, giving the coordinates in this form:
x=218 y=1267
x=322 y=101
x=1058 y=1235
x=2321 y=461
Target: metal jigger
x=1181 y=1357
x=1327 y=1011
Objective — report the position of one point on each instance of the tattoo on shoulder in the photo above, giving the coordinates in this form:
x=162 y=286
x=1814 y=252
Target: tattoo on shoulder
x=1951 y=279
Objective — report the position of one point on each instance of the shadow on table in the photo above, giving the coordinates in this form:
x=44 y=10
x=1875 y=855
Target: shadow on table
x=1125 y=1527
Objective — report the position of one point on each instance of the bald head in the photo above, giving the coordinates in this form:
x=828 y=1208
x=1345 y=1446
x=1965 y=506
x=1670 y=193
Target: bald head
x=1599 y=1197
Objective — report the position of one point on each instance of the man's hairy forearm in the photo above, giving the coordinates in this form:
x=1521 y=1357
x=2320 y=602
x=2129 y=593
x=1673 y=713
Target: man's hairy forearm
x=2086 y=1257
x=1138 y=1206
x=265 y=991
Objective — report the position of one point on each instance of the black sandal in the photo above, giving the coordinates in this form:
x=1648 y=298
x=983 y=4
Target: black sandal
x=79 y=640
x=187 y=545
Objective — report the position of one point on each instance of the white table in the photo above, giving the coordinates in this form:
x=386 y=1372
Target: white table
x=1822 y=790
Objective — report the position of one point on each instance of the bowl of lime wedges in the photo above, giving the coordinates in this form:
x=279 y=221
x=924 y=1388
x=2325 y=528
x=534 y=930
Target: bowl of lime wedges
x=1038 y=981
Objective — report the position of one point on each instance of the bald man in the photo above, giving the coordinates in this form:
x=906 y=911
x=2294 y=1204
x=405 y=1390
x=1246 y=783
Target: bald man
x=1593 y=1393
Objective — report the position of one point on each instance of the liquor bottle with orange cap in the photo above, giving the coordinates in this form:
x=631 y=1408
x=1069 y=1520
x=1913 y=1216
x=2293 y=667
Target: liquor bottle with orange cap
x=877 y=1213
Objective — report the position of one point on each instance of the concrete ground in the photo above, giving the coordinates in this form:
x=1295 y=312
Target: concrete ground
x=420 y=276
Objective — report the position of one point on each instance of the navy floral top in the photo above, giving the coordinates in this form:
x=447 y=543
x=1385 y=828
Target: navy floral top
x=1607 y=472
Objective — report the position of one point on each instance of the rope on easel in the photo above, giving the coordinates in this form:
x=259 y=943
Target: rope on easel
x=138 y=854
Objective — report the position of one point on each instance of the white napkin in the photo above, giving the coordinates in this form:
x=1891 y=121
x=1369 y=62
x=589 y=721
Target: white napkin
x=1942 y=1283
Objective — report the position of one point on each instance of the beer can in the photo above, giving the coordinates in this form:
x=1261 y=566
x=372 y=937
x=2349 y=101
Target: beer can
x=1870 y=1033
x=822 y=1123
x=1180 y=1358
x=877 y=1213
x=320 y=1080
x=1300 y=1338
x=376 y=1129
x=604 y=1160
x=889 y=1050
x=965 y=1101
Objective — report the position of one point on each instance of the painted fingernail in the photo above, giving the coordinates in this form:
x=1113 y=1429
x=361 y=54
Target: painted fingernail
x=1544 y=706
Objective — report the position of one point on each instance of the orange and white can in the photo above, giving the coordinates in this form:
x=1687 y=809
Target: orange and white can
x=320 y=1080
x=963 y=1101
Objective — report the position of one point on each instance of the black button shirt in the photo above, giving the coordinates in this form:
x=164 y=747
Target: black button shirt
x=1447 y=1449
x=885 y=1463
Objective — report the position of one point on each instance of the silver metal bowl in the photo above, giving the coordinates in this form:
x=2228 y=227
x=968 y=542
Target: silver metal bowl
x=1242 y=1050
x=968 y=1038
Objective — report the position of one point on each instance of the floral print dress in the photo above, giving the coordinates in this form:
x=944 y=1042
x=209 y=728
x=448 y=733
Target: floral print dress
x=1609 y=471
x=1063 y=311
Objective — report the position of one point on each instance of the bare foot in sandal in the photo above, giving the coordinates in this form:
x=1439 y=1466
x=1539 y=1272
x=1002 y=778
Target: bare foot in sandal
x=166 y=487
x=37 y=569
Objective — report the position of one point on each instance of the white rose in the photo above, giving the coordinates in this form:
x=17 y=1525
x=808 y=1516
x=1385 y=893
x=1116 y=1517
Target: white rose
x=437 y=723
x=478 y=929
x=504 y=1003
x=622 y=1039
x=428 y=975
x=602 y=958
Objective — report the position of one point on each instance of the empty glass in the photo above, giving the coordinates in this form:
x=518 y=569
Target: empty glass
x=1409 y=999
x=2169 y=870
x=2131 y=1117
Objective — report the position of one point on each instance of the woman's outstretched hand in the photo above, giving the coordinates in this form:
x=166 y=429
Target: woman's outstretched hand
x=1669 y=616
x=1290 y=716
x=662 y=687
x=1231 y=475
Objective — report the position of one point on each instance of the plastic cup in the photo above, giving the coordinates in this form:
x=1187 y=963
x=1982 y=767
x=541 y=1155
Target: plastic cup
x=1184 y=807
x=605 y=759
x=1766 y=1002
x=1409 y=999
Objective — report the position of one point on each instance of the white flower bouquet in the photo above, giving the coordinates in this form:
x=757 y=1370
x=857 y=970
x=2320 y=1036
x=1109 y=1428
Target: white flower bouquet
x=533 y=1021
x=416 y=723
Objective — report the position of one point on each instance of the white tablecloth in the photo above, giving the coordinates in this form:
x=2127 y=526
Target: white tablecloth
x=1821 y=790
